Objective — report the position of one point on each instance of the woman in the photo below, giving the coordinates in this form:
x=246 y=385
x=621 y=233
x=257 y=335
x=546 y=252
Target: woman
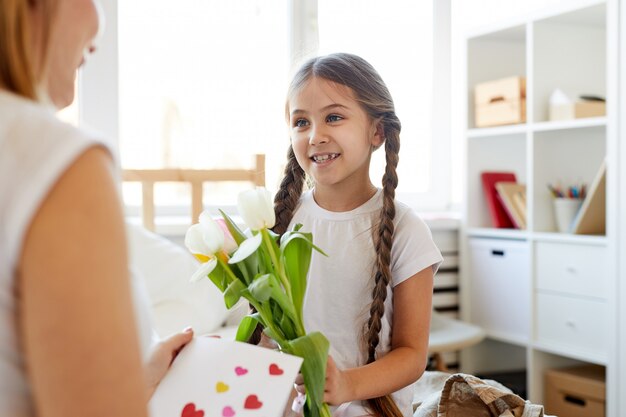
x=68 y=327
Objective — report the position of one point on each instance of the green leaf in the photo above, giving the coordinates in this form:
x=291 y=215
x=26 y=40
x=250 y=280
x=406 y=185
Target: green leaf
x=267 y=287
x=219 y=278
x=295 y=250
x=313 y=348
x=234 y=230
x=243 y=274
x=287 y=326
x=233 y=293
x=261 y=288
x=246 y=327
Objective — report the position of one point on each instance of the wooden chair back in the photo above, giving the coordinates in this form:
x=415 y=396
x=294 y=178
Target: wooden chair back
x=195 y=177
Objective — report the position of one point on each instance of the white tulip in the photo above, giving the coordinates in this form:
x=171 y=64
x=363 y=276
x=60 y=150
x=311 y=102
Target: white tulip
x=212 y=233
x=205 y=238
x=247 y=248
x=256 y=208
x=204 y=270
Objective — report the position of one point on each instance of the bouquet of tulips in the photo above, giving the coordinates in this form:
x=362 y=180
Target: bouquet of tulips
x=271 y=274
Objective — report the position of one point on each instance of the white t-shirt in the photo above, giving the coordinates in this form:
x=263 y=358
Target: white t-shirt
x=339 y=288
x=35 y=150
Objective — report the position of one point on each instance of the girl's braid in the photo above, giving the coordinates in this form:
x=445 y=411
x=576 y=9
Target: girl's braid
x=383 y=240
x=287 y=197
x=384 y=406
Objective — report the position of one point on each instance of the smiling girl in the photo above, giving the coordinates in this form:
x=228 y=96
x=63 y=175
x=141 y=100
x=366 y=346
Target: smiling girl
x=372 y=296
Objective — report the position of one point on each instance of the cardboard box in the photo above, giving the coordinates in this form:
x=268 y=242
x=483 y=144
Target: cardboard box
x=500 y=102
x=578 y=110
x=575 y=392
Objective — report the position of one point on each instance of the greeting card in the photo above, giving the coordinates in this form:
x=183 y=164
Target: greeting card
x=219 y=378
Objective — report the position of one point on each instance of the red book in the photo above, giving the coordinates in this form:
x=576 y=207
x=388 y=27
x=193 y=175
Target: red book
x=499 y=217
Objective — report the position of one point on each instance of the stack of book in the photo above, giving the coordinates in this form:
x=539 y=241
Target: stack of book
x=506 y=199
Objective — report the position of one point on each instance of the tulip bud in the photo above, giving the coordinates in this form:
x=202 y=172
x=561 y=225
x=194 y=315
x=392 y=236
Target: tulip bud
x=205 y=238
x=211 y=233
x=229 y=242
x=256 y=208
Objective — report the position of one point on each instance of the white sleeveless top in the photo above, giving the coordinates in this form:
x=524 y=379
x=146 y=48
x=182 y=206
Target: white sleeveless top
x=35 y=150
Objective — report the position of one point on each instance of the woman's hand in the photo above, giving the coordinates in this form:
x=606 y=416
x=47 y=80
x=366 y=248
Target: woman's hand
x=337 y=388
x=162 y=356
x=267 y=343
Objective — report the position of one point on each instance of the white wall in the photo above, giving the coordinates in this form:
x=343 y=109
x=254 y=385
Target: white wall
x=99 y=81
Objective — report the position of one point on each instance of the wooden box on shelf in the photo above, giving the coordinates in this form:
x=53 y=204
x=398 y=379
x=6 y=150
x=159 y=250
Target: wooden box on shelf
x=576 y=392
x=500 y=102
x=578 y=110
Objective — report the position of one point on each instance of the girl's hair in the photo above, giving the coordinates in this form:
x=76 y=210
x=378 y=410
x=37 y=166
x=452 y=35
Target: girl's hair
x=372 y=94
x=21 y=70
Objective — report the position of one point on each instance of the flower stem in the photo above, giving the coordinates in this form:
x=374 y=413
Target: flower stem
x=325 y=411
x=223 y=261
x=277 y=266
x=267 y=318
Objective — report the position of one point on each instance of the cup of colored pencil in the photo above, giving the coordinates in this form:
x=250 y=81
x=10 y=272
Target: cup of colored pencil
x=567 y=202
x=574 y=191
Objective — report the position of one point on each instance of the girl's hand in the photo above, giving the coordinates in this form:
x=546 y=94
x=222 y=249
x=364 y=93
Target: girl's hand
x=162 y=356
x=337 y=389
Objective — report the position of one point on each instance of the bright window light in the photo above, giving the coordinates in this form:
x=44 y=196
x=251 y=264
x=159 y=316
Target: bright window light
x=202 y=85
x=396 y=37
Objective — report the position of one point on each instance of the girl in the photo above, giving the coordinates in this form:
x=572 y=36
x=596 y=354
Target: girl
x=372 y=295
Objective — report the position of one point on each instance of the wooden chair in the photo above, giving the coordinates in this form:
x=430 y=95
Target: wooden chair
x=196 y=178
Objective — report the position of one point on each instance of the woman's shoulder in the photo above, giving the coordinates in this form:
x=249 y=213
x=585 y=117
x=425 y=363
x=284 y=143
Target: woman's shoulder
x=21 y=111
x=29 y=128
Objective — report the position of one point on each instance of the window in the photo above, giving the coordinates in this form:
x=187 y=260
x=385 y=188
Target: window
x=396 y=37
x=202 y=84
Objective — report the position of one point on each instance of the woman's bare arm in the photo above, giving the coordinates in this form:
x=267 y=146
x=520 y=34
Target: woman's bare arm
x=76 y=318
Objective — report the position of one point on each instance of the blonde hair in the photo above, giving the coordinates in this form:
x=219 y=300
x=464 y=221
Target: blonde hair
x=21 y=70
x=373 y=96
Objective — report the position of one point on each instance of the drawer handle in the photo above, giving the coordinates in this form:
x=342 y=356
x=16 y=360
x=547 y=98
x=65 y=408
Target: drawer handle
x=575 y=400
x=570 y=323
x=571 y=269
x=497 y=252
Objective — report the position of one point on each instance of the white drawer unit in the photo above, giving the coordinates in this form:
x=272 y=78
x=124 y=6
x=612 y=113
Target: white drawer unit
x=572 y=268
x=500 y=287
x=573 y=324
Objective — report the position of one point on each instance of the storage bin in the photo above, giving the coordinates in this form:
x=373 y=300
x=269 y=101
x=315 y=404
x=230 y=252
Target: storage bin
x=500 y=102
x=500 y=287
x=578 y=110
x=575 y=392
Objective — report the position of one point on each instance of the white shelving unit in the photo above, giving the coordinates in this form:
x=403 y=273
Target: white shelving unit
x=546 y=299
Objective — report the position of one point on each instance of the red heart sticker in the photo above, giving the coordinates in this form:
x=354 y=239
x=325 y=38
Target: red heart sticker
x=275 y=370
x=190 y=411
x=252 y=403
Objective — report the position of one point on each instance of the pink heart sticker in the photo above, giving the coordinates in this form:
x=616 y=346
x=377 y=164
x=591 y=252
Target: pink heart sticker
x=228 y=412
x=240 y=371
